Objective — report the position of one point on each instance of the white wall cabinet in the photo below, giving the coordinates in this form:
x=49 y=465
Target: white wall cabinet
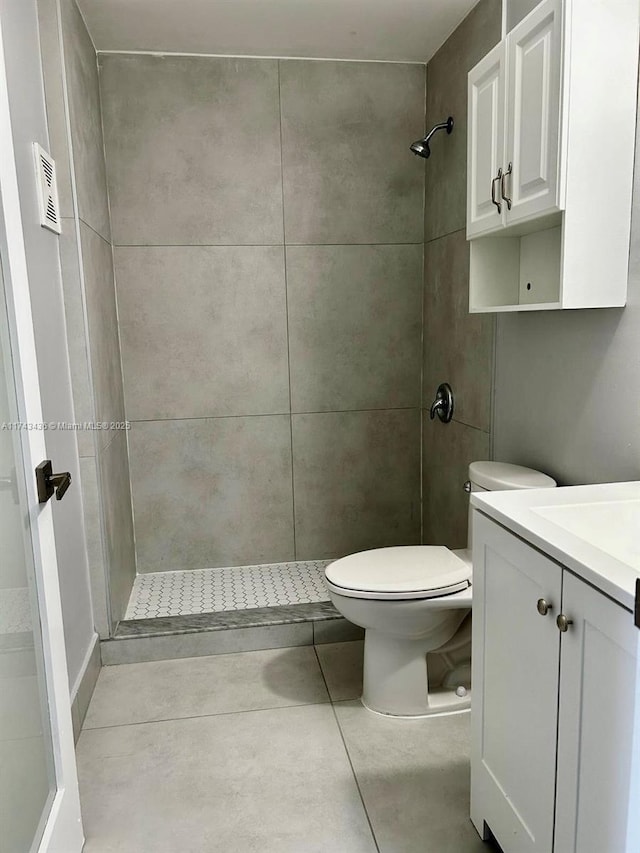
x=553 y=711
x=513 y=142
x=549 y=110
x=485 y=142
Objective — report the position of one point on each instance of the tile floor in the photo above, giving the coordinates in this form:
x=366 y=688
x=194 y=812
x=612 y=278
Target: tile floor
x=267 y=751
x=233 y=588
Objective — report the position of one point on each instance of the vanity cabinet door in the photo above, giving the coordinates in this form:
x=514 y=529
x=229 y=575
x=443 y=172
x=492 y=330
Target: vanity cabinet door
x=596 y=723
x=532 y=149
x=485 y=143
x=515 y=662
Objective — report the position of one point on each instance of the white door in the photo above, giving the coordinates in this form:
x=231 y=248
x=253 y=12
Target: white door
x=485 y=143
x=530 y=186
x=515 y=676
x=596 y=723
x=40 y=809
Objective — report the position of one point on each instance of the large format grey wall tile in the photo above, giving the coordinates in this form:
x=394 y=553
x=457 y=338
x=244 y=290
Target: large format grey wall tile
x=354 y=326
x=77 y=343
x=212 y=492
x=193 y=149
x=204 y=331
x=458 y=346
x=348 y=174
x=118 y=522
x=448 y=451
x=86 y=120
x=356 y=478
x=91 y=505
x=103 y=329
x=446 y=170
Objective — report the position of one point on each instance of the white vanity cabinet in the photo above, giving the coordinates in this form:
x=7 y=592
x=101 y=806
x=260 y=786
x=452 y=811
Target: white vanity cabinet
x=553 y=709
x=550 y=152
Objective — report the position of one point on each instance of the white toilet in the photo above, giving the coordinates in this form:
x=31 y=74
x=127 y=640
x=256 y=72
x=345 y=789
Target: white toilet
x=413 y=600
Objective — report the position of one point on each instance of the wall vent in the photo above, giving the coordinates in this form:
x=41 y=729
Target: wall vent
x=47 y=190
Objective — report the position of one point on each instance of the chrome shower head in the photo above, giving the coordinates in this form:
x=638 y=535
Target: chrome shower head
x=421 y=146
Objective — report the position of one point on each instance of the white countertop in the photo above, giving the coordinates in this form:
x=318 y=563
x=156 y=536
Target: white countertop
x=592 y=530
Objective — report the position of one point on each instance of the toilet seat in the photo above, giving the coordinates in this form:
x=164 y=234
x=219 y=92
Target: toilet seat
x=403 y=572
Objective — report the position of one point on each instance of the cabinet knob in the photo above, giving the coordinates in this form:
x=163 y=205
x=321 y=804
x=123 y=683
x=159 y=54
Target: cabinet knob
x=543 y=607
x=563 y=623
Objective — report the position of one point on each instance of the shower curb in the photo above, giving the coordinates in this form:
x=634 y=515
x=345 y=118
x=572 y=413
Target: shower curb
x=171 y=637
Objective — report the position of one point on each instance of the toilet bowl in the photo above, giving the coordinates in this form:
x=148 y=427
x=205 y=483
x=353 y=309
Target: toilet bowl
x=413 y=601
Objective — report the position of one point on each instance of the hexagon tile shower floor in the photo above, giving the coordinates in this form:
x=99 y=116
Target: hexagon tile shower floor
x=231 y=588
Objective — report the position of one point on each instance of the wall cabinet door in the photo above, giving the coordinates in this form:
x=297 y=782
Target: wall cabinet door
x=515 y=675
x=485 y=143
x=596 y=723
x=533 y=114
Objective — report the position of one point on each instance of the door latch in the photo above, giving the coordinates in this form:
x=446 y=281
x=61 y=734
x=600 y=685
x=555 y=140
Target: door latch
x=49 y=483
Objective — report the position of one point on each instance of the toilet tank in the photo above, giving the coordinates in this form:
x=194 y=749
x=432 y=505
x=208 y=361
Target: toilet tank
x=500 y=476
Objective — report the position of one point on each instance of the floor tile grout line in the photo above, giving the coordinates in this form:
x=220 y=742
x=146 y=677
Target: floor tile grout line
x=204 y=716
x=346 y=750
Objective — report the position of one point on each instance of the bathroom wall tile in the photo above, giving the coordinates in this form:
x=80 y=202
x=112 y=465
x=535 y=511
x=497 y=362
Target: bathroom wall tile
x=356 y=481
x=118 y=523
x=212 y=492
x=346 y=129
x=52 y=72
x=103 y=329
x=277 y=781
x=193 y=149
x=414 y=779
x=167 y=647
x=341 y=665
x=86 y=120
x=458 y=346
x=204 y=331
x=446 y=170
x=448 y=451
x=76 y=335
x=354 y=326
x=93 y=528
x=160 y=690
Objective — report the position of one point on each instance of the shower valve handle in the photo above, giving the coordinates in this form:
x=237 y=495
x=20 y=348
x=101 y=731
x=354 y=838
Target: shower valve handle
x=443 y=404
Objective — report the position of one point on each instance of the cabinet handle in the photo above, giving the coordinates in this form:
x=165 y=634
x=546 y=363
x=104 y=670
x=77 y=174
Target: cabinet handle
x=493 y=190
x=563 y=623
x=543 y=607
x=502 y=185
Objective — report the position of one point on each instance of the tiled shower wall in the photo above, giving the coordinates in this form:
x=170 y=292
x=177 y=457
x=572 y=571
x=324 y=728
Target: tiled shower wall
x=75 y=131
x=268 y=226
x=458 y=346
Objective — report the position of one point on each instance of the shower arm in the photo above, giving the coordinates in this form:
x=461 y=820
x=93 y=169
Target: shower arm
x=444 y=125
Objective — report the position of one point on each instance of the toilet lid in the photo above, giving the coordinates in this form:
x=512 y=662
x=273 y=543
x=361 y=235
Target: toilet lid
x=408 y=571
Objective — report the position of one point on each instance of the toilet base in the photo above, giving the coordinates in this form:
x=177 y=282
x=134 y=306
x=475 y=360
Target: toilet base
x=395 y=679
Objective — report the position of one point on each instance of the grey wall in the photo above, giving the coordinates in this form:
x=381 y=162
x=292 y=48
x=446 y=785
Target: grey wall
x=268 y=225
x=74 y=118
x=568 y=385
x=458 y=346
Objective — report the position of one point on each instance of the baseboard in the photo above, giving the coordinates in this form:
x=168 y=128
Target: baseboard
x=85 y=684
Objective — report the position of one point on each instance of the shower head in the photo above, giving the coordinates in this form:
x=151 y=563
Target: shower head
x=421 y=146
